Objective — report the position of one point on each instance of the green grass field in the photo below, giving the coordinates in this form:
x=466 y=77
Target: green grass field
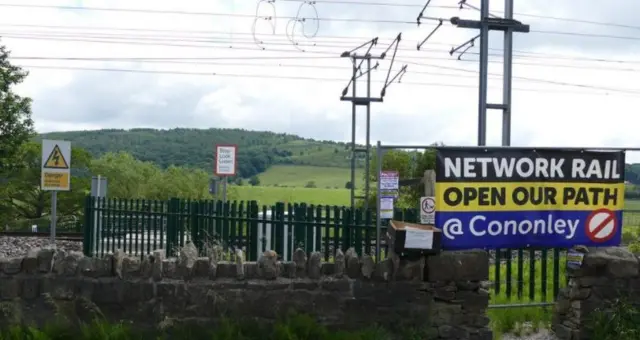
x=512 y=319
x=632 y=205
x=299 y=176
x=272 y=195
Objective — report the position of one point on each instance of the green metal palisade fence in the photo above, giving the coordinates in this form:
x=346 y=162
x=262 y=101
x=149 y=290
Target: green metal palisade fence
x=138 y=227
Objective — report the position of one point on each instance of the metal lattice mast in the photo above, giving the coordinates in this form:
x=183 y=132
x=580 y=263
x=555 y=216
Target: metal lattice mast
x=487 y=23
x=357 y=61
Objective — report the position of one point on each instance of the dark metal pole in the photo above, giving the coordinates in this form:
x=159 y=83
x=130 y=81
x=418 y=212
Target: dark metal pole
x=507 y=74
x=353 y=138
x=368 y=145
x=379 y=192
x=484 y=65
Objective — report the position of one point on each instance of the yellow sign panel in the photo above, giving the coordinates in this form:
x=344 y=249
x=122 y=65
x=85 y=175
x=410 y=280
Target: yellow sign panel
x=59 y=180
x=56 y=160
x=528 y=196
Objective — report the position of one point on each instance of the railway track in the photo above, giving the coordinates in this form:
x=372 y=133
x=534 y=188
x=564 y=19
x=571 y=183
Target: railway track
x=64 y=236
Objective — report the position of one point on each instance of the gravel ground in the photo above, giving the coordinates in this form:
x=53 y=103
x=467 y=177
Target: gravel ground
x=19 y=246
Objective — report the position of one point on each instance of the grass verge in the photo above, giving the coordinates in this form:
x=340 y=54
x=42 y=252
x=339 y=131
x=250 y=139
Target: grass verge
x=523 y=318
x=294 y=327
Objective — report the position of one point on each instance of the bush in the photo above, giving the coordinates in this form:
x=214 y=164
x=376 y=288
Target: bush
x=619 y=321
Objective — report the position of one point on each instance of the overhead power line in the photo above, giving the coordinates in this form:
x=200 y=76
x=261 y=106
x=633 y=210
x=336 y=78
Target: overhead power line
x=173 y=12
x=218 y=62
x=306 y=78
x=328 y=49
x=366 y=3
x=341 y=2
x=188 y=35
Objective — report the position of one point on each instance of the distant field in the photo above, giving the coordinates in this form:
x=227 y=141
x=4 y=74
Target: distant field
x=632 y=204
x=299 y=176
x=271 y=195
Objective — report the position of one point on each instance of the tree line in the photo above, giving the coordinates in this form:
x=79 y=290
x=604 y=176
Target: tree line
x=257 y=150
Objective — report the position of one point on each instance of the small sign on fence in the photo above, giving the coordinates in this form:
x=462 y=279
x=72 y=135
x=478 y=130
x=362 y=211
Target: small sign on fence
x=386 y=207
x=525 y=197
x=389 y=180
x=428 y=210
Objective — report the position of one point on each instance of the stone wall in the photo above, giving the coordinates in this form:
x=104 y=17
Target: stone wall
x=606 y=274
x=441 y=295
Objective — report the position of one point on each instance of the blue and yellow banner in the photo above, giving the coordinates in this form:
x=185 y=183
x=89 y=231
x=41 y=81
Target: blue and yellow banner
x=514 y=198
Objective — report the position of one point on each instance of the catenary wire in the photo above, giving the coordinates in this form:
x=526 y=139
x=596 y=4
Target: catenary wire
x=323 y=52
x=381 y=21
x=342 y=39
x=270 y=76
x=175 y=12
x=206 y=62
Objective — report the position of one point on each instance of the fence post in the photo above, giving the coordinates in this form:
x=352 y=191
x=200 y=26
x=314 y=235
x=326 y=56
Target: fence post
x=173 y=209
x=279 y=240
x=194 y=226
x=252 y=247
x=88 y=243
x=430 y=183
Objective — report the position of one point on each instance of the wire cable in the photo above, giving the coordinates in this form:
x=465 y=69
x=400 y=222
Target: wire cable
x=326 y=49
x=352 y=39
x=270 y=76
x=237 y=15
x=213 y=62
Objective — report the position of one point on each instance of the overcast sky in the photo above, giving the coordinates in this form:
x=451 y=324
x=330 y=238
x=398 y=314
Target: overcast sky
x=436 y=101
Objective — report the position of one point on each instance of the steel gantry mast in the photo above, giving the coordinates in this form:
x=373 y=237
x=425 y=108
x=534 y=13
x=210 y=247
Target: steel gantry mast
x=362 y=66
x=488 y=22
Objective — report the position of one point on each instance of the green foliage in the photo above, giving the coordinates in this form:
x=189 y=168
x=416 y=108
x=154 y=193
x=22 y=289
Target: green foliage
x=294 y=327
x=131 y=178
x=513 y=320
x=254 y=181
x=257 y=151
x=616 y=321
x=16 y=125
x=409 y=165
x=22 y=197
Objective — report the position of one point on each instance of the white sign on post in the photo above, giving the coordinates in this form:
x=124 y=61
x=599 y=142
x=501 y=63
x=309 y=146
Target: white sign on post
x=56 y=165
x=427 y=210
x=389 y=180
x=226 y=160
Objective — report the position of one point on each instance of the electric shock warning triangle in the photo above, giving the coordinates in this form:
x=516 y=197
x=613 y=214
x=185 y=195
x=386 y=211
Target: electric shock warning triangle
x=56 y=160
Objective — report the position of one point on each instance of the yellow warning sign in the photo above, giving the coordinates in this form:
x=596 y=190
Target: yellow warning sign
x=56 y=160
x=57 y=180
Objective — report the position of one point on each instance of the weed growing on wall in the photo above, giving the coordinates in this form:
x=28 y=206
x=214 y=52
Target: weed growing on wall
x=619 y=321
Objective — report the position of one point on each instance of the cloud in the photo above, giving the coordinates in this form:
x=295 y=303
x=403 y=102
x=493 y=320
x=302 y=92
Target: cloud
x=436 y=101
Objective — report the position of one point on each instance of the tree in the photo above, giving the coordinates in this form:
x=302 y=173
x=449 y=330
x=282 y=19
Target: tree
x=254 y=181
x=310 y=184
x=16 y=125
x=408 y=165
x=347 y=185
x=22 y=194
x=131 y=178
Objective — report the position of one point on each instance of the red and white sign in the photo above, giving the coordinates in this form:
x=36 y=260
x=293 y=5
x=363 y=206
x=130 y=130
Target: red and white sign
x=226 y=160
x=427 y=210
x=601 y=225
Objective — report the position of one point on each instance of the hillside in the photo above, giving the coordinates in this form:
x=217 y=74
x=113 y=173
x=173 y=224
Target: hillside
x=257 y=150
